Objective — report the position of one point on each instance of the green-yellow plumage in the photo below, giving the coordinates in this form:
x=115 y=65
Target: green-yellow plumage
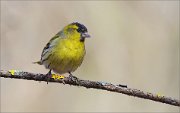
x=64 y=53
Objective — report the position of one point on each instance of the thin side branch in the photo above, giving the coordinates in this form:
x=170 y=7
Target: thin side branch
x=92 y=84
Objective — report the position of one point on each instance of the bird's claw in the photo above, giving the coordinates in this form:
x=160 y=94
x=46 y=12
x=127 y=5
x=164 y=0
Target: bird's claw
x=63 y=81
x=74 y=78
x=48 y=76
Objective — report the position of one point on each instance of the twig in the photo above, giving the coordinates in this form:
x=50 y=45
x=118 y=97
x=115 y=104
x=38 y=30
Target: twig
x=91 y=84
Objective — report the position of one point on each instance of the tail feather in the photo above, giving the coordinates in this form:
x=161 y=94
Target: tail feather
x=38 y=62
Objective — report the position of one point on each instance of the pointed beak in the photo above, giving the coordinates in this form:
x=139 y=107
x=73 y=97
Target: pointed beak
x=85 y=35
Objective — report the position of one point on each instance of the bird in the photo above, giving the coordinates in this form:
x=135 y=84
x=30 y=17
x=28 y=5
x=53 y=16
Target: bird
x=65 y=52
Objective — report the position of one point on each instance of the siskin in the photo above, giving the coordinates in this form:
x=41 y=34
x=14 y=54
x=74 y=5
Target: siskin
x=65 y=52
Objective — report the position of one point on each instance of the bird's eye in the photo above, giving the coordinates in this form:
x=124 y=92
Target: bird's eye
x=80 y=30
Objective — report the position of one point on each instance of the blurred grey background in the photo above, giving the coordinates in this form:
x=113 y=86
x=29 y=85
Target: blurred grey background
x=134 y=43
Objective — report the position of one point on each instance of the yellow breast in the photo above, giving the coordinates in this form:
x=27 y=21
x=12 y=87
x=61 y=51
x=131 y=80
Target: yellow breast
x=67 y=56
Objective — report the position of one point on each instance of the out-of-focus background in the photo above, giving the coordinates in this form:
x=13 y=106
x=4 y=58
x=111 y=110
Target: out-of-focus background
x=133 y=43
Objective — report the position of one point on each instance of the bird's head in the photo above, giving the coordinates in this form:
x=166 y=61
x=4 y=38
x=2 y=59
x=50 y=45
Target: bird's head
x=78 y=28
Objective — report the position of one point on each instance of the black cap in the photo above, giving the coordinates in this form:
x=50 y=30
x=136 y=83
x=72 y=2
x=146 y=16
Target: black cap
x=81 y=27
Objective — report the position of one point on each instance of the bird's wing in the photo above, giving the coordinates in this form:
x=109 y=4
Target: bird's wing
x=48 y=48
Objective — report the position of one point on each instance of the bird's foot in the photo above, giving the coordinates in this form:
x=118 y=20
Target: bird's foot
x=73 y=78
x=48 y=76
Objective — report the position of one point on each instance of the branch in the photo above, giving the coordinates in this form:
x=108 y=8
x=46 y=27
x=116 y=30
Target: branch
x=90 y=84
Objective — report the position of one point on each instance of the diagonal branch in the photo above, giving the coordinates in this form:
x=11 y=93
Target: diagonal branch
x=91 y=84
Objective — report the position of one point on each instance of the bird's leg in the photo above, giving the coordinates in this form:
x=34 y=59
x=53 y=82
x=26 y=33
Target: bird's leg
x=71 y=76
x=74 y=78
x=48 y=75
